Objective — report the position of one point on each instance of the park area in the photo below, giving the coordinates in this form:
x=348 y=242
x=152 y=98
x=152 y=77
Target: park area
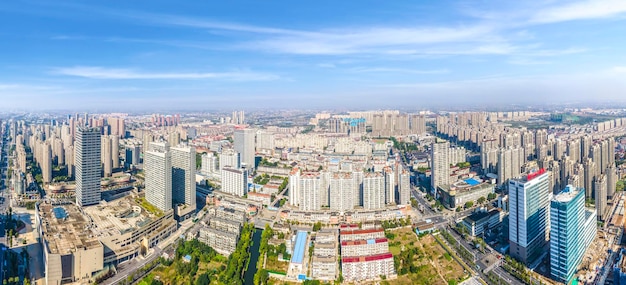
x=422 y=260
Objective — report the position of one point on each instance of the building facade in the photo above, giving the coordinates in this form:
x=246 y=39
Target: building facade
x=87 y=161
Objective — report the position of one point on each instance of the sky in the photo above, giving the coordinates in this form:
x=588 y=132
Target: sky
x=199 y=54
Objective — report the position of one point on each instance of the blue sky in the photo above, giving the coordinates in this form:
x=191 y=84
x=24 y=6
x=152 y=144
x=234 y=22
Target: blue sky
x=309 y=54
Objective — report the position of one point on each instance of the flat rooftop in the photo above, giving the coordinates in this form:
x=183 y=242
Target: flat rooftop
x=366 y=258
x=118 y=216
x=299 y=249
x=66 y=229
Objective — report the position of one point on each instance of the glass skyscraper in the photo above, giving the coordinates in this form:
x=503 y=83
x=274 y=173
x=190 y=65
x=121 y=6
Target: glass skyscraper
x=529 y=216
x=572 y=231
x=87 y=157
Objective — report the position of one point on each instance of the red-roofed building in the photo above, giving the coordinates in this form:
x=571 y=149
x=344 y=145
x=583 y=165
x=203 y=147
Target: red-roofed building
x=367 y=267
x=364 y=247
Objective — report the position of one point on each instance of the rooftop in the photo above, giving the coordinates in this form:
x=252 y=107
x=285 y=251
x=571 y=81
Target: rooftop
x=119 y=216
x=299 y=249
x=66 y=229
x=361 y=242
x=366 y=258
x=567 y=194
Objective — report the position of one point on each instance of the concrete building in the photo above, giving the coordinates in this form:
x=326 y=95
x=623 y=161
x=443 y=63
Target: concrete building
x=483 y=220
x=404 y=187
x=297 y=265
x=373 y=191
x=324 y=262
x=223 y=242
x=106 y=156
x=158 y=176
x=342 y=191
x=184 y=178
x=235 y=181
x=572 y=229
x=619 y=268
x=367 y=267
x=209 y=164
x=230 y=158
x=440 y=164
x=600 y=195
x=391 y=182
x=46 y=163
x=360 y=234
x=529 y=216
x=87 y=162
x=70 y=253
x=244 y=144
x=364 y=247
x=458 y=193
x=310 y=191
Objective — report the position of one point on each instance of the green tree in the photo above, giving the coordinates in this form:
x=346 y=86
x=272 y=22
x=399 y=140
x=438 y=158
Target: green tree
x=492 y=196
x=203 y=279
x=481 y=200
x=469 y=204
x=317 y=226
x=458 y=209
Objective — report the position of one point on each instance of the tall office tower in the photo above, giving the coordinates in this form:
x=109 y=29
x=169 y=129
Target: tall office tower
x=440 y=164
x=235 y=181
x=572 y=229
x=230 y=158
x=489 y=155
x=87 y=164
x=418 y=124
x=158 y=173
x=390 y=185
x=310 y=183
x=373 y=190
x=115 y=151
x=46 y=162
x=573 y=150
x=209 y=164
x=404 y=187
x=585 y=147
x=341 y=191
x=184 y=175
x=357 y=176
x=294 y=186
x=244 y=144
x=589 y=176
x=107 y=161
x=529 y=216
x=600 y=195
x=611 y=181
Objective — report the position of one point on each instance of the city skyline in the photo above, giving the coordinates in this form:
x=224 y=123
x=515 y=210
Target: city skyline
x=322 y=55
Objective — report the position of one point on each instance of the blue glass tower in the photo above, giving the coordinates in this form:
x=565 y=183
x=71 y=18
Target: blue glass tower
x=572 y=231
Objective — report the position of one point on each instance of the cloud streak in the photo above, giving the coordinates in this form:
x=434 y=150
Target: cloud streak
x=95 y=72
x=581 y=10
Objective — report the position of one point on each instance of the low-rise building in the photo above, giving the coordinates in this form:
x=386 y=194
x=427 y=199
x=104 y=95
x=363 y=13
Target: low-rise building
x=361 y=234
x=462 y=191
x=230 y=214
x=324 y=268
x=364 y=247
x=263 y=198
x=482 y=220
x=225 y=225
x=297 y=264
x=371 y=267
x=223 y=242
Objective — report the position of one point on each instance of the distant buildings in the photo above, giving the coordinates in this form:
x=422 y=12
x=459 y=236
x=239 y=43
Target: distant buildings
x=244 y=144
x=87 y=159
x=529 y=216
x=572 y=229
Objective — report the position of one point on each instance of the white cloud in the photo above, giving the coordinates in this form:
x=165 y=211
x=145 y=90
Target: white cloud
x=397 y=70
x=619 y=69
x=580 y=10
x=95 y=72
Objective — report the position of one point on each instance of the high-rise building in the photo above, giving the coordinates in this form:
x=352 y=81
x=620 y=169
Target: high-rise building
x=234 y=181
x=87 y=163
x=184 y=175
x=572 y=229
x=115 y=151
x=440 y=164
x=244 y=144
x=373 y=190
x=404 y=187
x=209 y=164
x=158 y=175
x=46 y=163
x=600 y=191
x=390 y=185
x=529 y=216
x=230 y=158
x=342 y=191
x=106 y=156
x=310 y=195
